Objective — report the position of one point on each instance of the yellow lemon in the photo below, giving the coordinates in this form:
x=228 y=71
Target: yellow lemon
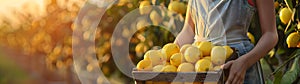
x=144 y=65
x=218 y=55
x=184 y=47
x=155 y=18
x=169 y=68
x=142 y=24
x=168 y=63
x=176 y=59
x=285 y=15
x=207 y=57
x=196 y=43
x=205 y=47
x=178 y=7
x=192 y=54
x=293 y=39
x=141 y=48
x=164 y=56
x=251 y=37
x=203 y=65
x=217 y=68
x=155 y=57
x=145 y=7
x=123 y=2
x=186 y=67
x=229 y=51
x=276 y=4
x=158 y=68
x=170 y=49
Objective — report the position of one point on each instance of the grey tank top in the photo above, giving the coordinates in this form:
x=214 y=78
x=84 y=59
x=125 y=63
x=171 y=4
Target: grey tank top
x=222 y=22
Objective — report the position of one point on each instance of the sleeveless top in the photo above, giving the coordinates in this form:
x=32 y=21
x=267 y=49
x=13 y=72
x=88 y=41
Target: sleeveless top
x=222 y=22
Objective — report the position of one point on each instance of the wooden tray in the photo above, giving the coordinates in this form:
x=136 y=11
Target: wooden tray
x=210 y=76
x=220 y=76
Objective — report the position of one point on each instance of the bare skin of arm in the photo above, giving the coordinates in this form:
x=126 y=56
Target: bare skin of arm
x=186 y=36
x=267 y=41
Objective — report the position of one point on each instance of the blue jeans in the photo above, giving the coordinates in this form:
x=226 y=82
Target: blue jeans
x=253 y=75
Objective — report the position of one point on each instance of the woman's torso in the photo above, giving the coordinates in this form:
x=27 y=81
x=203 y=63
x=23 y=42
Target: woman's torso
x=221 y=21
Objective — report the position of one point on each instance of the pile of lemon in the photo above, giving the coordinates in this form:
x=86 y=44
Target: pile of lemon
x=197 y=57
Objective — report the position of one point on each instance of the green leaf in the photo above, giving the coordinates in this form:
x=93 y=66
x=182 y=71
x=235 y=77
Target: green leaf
x=293 y=55
x=289 y=4
x=278 y=77
x=290 y=76
x=268 y=81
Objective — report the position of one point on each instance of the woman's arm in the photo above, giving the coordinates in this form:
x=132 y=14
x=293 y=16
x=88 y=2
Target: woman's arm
x=267 y=41
x=186 y=36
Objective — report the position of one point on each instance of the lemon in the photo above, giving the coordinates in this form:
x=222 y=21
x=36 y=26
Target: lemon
x=168 y=63
x=164 y=56
x=122 y=2
x=251 y=37
x=155 y=57
x=285 y=15
x=196 y=43
x=169 y=68
x=217 y=68
x=184 y=47
x=207 y=57
x=144 y=3
x=276 y=4
x=141 y=48
x=145 y=7
x=155 y=18
x=293 y=40
x=203 y=65
x=142 y=24
x=176 y=59
x=177 y=7
x=205 y=47
x=218 y=55
x=298 y=25
x=186 y=67
x=192 y=54
x=170 y=49
x=229 y=51
x=144 y=65
x=158 y=68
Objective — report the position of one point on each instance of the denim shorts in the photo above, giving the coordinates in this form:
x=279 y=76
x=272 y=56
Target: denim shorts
x=253 y=74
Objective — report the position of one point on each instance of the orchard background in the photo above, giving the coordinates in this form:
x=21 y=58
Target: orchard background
x=36 y=39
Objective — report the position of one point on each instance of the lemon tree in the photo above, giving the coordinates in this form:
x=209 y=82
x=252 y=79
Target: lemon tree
x=279 y=65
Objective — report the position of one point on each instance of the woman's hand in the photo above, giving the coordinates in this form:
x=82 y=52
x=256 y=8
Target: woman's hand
x=237 y=70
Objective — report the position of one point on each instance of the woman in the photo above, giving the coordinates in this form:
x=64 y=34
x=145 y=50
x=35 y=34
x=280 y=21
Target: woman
x=228 y=20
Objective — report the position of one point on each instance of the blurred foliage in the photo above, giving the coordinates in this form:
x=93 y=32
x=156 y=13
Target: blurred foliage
x=10 y=72
x=278 y=65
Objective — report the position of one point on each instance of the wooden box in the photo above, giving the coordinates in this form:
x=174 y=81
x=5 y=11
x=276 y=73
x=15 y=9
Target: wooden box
x=218 y=77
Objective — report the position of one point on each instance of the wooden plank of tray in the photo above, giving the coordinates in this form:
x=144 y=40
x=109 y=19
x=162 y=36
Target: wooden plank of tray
x=212 y=76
